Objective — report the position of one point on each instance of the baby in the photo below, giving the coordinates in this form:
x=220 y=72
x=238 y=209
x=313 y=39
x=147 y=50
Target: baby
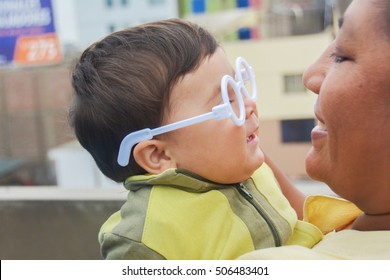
x=160 y=108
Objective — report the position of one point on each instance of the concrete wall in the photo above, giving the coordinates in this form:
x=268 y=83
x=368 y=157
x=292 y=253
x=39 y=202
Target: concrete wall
x=53 y=228
x=50 y=223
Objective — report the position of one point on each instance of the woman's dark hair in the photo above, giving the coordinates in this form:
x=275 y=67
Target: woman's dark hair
x=122 y=84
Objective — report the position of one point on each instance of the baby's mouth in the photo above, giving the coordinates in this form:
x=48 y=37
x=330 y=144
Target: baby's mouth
x=250 y=138
x=253 y=128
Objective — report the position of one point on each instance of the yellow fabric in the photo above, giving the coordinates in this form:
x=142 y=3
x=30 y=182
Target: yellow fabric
x=329 y=213
x=354 y=245
x=294 y=252
x=305 y=234
x=343 y=245
x=265 y=178
x=221 y=226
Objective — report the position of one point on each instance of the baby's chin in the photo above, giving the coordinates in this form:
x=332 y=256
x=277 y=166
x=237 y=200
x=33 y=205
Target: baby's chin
x=256 y=160
x=240 y=175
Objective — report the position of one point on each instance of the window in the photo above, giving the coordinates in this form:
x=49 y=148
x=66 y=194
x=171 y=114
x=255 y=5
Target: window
x=293 y=83
x=156 y=2
x=294 y=131
x=111 y=28
x=109 y=3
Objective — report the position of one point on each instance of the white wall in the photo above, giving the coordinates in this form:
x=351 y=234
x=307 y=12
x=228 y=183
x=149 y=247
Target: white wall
x=75 y=168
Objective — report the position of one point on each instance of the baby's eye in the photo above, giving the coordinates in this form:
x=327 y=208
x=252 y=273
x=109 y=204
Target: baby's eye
x=232 y=98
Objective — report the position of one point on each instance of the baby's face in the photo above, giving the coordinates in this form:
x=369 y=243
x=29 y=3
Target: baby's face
x=217 y=150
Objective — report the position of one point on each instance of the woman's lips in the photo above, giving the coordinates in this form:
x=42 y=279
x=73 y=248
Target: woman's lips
x=321 y=126
x=319 y=131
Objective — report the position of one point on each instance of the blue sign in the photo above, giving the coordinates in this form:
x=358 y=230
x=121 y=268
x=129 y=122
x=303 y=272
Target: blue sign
x=27 y=33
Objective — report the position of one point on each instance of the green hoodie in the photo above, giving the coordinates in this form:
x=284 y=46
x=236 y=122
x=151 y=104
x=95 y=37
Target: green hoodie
x=178 y=215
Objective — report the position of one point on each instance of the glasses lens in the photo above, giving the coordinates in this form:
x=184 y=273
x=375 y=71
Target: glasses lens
x=232 y=96
x=246 y=75
x=231 y=89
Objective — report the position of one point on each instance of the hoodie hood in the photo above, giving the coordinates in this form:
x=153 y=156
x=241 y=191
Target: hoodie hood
x=177 y=178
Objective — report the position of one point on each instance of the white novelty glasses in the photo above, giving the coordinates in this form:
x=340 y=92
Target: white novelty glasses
x=243 y=85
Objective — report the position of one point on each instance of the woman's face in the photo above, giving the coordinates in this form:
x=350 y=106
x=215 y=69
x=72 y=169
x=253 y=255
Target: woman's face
x=351 y=144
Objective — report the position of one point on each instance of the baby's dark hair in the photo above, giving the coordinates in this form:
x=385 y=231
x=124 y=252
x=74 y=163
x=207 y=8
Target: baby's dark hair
x=123 y=82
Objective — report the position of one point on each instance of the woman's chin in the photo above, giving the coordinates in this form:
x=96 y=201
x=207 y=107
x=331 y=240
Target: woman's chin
x=313 y=165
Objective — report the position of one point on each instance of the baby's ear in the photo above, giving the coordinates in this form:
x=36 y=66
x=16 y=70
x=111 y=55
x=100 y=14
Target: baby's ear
x=152 y=156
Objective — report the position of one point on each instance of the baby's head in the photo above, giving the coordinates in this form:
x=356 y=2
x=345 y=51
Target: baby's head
x=152 y=75
x=123 y=83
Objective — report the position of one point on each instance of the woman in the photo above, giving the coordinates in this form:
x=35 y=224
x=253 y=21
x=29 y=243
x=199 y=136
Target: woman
x=351 y=143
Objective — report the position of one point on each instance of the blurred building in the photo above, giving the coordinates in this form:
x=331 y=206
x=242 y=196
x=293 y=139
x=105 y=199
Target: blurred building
x=80 y=23
x=34 y=103
x=280 y=38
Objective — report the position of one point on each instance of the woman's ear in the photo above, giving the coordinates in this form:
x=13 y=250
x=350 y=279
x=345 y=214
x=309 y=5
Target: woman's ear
x=153 y=157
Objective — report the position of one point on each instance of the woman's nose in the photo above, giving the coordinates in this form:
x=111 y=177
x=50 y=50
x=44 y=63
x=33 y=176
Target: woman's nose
x=316 y=73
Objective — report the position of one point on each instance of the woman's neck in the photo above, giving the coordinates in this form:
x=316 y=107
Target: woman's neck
x=367 y=222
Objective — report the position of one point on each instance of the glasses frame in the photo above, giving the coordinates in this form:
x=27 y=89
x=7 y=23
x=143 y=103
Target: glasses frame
x=219 y=112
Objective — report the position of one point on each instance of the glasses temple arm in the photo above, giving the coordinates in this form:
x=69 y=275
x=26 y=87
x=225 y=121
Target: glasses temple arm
x=218 y=112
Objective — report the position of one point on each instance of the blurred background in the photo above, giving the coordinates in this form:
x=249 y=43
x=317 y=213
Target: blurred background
x=53 y=199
